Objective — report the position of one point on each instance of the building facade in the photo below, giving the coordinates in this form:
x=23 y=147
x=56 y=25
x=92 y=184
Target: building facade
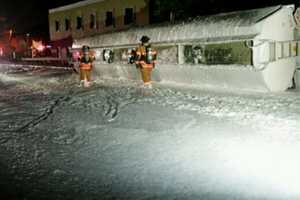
x=91 y=17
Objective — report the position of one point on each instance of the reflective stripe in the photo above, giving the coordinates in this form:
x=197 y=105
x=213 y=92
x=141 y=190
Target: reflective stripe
x=86 y=66
x=147 y=66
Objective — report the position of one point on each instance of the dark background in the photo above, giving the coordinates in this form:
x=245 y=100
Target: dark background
x=31 y=16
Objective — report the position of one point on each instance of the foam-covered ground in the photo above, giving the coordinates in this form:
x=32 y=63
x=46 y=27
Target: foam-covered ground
x=114 y=141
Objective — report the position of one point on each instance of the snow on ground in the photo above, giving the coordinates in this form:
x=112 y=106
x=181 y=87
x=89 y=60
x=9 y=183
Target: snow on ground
x=114 y=141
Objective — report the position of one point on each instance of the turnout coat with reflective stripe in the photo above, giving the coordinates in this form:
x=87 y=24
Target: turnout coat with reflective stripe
x=141 y=54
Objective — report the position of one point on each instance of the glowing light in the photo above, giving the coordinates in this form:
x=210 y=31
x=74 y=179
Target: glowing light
x=40 y=48
x=260 y=166
x=76 y=55
x=267 y=166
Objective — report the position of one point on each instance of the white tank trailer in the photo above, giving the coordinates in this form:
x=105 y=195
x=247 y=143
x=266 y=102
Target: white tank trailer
x=248 y=50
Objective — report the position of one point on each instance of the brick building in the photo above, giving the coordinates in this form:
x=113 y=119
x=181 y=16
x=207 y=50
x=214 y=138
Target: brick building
x=91 y=17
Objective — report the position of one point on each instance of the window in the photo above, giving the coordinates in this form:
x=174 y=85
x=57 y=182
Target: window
x=218 y=53
x=92 y=21
x=57 y=26
x=286 y=49
x=79 y=23
x=67 y=24
x=294 y=48
x=279 y=50
x=109 y=19
x=272 y=49
x=129 y=16
x=298 y=49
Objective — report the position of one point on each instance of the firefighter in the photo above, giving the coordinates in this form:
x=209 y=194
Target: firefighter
x=86 y=64
x=145 y=60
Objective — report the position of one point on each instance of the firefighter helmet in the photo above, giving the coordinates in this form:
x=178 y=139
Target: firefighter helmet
x=85 y=48
x=144 y=39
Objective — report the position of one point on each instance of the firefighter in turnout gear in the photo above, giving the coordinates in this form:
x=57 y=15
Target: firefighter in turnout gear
x=145 y=60
x=86 y=64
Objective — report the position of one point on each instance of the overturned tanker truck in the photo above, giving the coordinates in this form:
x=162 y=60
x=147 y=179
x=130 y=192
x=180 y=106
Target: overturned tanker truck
x=249 y=50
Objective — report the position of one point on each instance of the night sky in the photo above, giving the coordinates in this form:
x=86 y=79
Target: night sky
x=31 y=16
x=28 y=16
